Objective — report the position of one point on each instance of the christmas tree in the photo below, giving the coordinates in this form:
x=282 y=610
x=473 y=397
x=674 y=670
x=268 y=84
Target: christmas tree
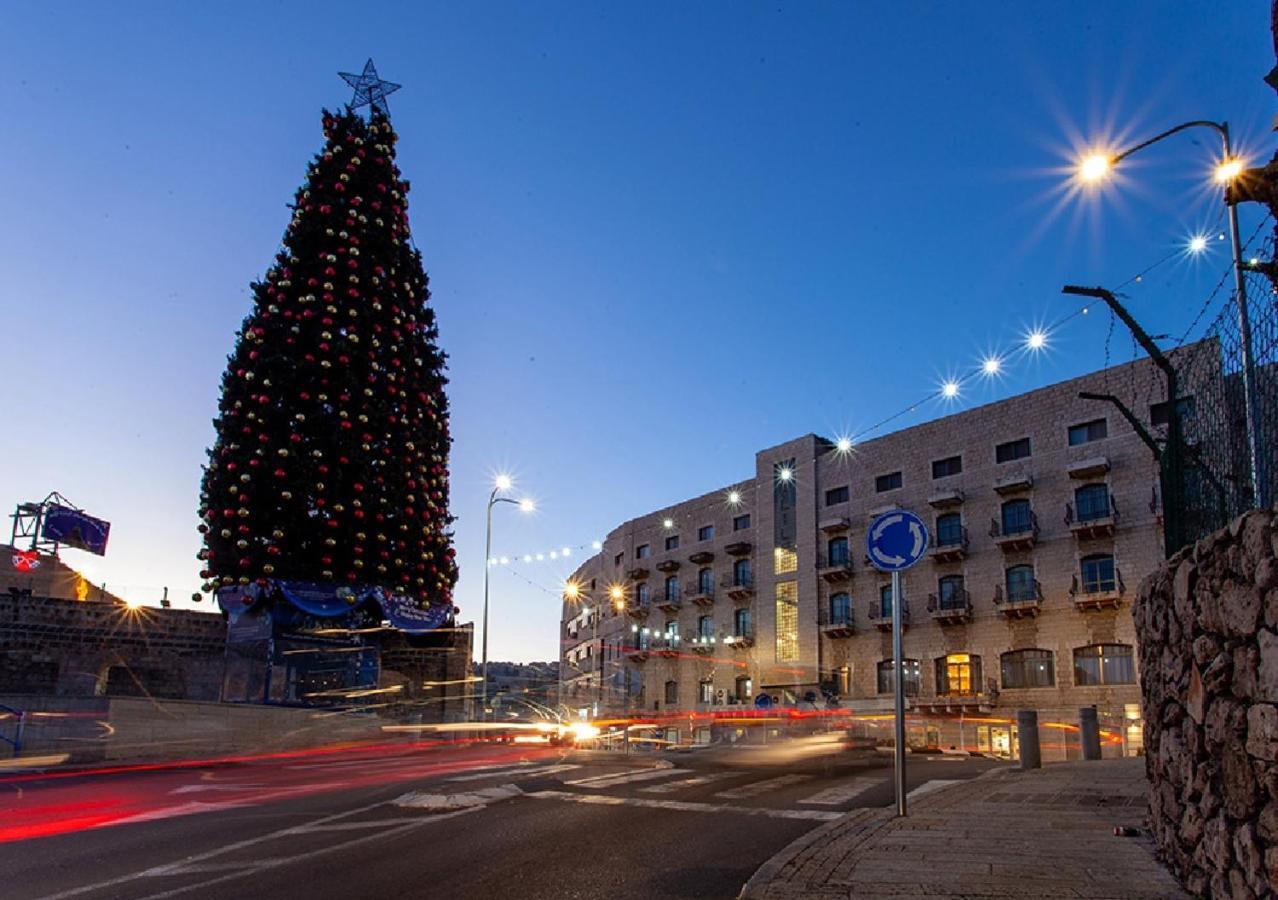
x=331 y=457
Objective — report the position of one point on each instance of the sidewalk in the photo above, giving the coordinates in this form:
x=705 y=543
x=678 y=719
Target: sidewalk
x=1010 y=833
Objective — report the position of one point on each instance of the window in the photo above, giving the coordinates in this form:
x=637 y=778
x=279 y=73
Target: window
x=951 y=465
x=672 y=588
x=885 y=600
x=641 y=594
x=741 y=523
x=958 y=674
x=1087 y=432
x=1017 y=449
x=910 y=670
x=1021 y=586
x=1098 y=573
x=672 y=542
x=888 y=482
x=1017 y=517
x=840 y=609
x=1092 y=502
x=950 y=593
x=837 y=548
x=1158 y=411
x=705 y=533
x=671 y=630
x=705 y=627
x=705 y=691
x=672 y=693
x=641 y=552
x=1104 y=664
x=1028 y=669
x=949 y=530
x=787 y=611
x=741 y=573
x=836 y=495
x=705 y=581
x=744 y=688
x=741 y=624
x=619 y=559
x=843 y=680
x=641 y=637
x=785 y=561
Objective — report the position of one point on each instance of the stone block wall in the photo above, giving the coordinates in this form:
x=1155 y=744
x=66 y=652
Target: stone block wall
x=1207 y=630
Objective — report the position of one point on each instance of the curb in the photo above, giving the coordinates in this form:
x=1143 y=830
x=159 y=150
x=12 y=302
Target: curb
x=756 y=888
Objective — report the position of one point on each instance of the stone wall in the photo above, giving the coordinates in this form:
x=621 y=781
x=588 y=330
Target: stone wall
x=1207 y=628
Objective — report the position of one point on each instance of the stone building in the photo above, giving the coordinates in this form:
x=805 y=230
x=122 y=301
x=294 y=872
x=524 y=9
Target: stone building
x=1044 y=513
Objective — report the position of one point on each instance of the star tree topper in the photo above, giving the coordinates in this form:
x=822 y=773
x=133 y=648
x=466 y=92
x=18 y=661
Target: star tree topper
x=370 y=90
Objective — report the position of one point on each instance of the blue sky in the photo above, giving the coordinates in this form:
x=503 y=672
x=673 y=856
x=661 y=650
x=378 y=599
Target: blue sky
x=660 y=236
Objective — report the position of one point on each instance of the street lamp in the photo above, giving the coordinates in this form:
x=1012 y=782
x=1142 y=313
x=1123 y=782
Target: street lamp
x=1097 y=166
x=500 y=484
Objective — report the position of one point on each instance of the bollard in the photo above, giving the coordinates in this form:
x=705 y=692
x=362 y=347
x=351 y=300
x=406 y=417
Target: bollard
x=1089 y=732
x=1027 y=737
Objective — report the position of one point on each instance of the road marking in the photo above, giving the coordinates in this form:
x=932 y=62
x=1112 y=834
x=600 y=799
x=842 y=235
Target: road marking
x=422 y=800
x=671 y=786
x=755 y=788
x=928 y=787
x=842 y=793
x=603 y=781
x=515 y=771
x=212 y=786
x=191 y=807
x=356 y=826
x=818 y=815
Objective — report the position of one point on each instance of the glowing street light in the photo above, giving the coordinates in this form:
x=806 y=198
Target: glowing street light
x=1095 y=167
x=527 y=506
x=1036 y=339
x=734 y=497
x=1228 y=170
x=950 y=389
x=843 y=445
x=1197 y=244
x=501 y=484
x=572 y=591
x=991 y=366
x=667 y=523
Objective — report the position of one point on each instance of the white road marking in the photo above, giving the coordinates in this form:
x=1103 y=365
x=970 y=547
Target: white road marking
x=818 y=815
x=216 y=786
x=356 y=826
x=191 y=807
x=422 y=800
x=755 y=788
x=603 y=781
x=928 y=787
x=515 y=772
x=842 y=793
x=671 y=786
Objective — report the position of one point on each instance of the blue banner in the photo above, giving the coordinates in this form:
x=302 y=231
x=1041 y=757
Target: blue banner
x=404 y=614
x=75 y=528
x=325 y=600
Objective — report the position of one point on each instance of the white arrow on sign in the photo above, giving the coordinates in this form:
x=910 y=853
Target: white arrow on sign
x=878 y=533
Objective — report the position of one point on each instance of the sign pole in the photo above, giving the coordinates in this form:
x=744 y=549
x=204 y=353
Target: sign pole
x=898 y=672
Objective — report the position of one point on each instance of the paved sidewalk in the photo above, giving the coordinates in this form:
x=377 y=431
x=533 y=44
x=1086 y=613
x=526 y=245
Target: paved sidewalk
x=1010 y=833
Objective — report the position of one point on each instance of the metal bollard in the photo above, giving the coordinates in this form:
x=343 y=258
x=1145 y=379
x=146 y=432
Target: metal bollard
x=1089 y=732
x=1027 y=738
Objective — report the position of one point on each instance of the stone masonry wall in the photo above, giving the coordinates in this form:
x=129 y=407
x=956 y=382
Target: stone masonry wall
x=1207 y=628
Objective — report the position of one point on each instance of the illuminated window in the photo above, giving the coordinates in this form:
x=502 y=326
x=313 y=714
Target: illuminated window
x=705 y=691
x=744 y=688
x=958 y=673
x=787 y=621
x=1104 y=664
x=785 y=561
x=843 y=680
x=912 y=676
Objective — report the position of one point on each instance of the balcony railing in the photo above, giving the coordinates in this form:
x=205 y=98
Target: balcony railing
x=839 y=625
x=669 y=600
x=1094 y=519
x=835 y=567
x=952 y=608
x=741 y=638
x=1098 y=594
x=1025 y=601
x=738 y=587
x=1020 y=535
x=637 y=573
x=952 y=549
x=700 y=593
x=881 y=617
x=637 y=610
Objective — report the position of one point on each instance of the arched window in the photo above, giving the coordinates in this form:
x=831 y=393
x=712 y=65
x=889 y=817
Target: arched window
x=911 y=669
x=950 y=593
x=840 y=609
x=672 y=588
x=672 y=693
x=1028 y=669
x=705 y=627
x=741 y=573
x=1017 y=518
x=837 y=549
x=885 y=600
x=1104 y=664
x=1092 y=502
x=958 y=674
x=1021 y=586
x=1098 y=573
x=949 y=530
x=641 y=594
x=741 y=625
x=705 y=581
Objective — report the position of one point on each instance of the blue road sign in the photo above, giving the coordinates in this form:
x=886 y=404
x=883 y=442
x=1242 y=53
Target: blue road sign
x=763 y=701
x=896 y=540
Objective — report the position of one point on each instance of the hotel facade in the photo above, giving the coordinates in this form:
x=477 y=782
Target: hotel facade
x=1044 y=516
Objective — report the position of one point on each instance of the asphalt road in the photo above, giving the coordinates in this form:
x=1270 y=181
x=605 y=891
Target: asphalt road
x=484 y=822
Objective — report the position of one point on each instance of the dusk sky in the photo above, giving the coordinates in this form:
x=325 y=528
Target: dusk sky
x=660 y=237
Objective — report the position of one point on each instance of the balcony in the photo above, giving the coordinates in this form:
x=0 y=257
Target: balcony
x=1094 y=520
x=701 y=644
x=669 y=602
x=839 y=627
x=882 y=619
x=834 y=524
x=740 y=640
x=1103 y=594
x=1018 y=535
x=739 y=587
x=638 y=573
x=668 y=566
x=951 y=550
x=738 y=548
x=946 y=499
x=953 y=609
x=701 y=558
x=1013 y=484
x=1022 y=604
x=834 y=568
x=637 y=610
x=699 y=594
x=666 y=646
x=1088 y=468
x=959 y=702
x=637 y=652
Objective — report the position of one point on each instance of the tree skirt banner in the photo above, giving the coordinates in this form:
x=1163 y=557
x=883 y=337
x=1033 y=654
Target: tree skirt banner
x=325 y=600
x=329 y=601
x=404 y=614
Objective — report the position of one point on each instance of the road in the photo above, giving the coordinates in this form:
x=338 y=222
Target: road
x=484 y=821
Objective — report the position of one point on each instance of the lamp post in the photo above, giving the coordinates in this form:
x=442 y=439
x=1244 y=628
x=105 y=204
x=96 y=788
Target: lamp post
x=1097 y=166
x=500 y=484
